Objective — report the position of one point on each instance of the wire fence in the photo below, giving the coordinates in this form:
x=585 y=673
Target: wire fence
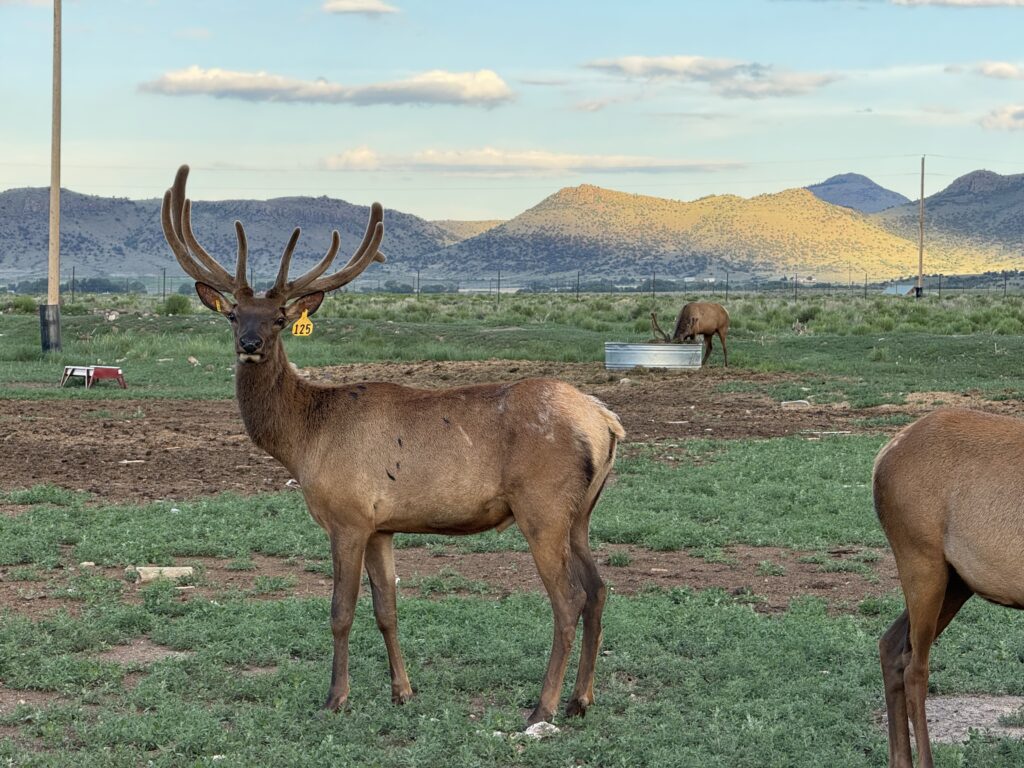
x=419 y=283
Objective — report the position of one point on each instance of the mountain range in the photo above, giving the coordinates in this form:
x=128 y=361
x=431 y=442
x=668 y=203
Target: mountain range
x=843 y=226
x=852 y=190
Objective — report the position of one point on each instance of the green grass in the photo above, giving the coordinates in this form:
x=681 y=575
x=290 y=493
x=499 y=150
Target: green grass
x=867 y=351
x=788 y=492
x=687 y=680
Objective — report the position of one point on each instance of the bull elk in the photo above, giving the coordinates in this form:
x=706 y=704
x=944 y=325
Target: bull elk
x=377 y=459
x=947 y=492
x=697 y=318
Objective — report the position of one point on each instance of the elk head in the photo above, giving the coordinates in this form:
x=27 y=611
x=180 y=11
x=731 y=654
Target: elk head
x=257 y=320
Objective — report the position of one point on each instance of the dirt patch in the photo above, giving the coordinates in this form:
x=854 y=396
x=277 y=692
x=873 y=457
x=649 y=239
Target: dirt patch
x=141 y=651
x=14 y=510
x=143 y=450
x=766 y=577
x=11 y=699
x=158 y=453
x=952 y=718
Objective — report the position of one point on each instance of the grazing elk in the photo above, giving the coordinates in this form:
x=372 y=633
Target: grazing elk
x=948 y=494
x=378 y=459
x=697 y=318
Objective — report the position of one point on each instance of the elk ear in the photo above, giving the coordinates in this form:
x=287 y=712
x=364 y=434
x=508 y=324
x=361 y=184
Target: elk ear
x=309 y=304
x=213 y=299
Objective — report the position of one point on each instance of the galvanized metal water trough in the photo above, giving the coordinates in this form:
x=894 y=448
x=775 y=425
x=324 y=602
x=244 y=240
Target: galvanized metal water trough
x=619 y=356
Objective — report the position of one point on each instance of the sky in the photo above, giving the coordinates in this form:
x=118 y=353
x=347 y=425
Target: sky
x=461 y=109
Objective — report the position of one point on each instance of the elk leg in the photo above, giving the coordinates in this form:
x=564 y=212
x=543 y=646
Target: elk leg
x=725 y=352
x=892 y=650
x=550 y=549
x=895 y=654
x=347 y=555
x=380 y=568
x=583 y=563
x=707 y=348
x=934 y=594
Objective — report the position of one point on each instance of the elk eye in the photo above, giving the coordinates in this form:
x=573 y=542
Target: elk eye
x=279 y=322
x=231 y=316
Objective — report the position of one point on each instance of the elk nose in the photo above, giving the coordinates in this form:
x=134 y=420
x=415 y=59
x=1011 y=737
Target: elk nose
x=250 y=343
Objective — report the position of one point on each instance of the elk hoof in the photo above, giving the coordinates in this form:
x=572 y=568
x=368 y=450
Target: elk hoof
x=576 y=708
x=336 y=702
x=538 y=716
x=400 y=697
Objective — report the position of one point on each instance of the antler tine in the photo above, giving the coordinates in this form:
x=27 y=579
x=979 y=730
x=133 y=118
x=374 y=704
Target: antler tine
x=172 y=219
x=194 y=246
x=180 y=250
x=281 y=283
x=190 y=240
x=243 y=253
x=355 y=267
x=306 y=281
x=300 y=283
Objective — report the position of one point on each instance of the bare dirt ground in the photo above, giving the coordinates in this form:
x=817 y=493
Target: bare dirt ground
x=141 y=450
x=765 y=577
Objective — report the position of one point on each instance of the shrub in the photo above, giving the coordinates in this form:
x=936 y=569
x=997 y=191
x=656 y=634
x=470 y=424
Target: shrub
x=177 y=304
x=24 y=305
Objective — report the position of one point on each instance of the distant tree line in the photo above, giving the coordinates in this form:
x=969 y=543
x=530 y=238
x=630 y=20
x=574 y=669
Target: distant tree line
x=82 y=285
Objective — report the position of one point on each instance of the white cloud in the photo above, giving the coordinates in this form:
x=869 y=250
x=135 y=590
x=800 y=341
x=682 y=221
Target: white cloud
x=1009 y=118
x=361 y=7
x=964 y=3
x=729 y=78
x=1001 y=70
x=681 y=67
x=500 y=162
x=481 y=88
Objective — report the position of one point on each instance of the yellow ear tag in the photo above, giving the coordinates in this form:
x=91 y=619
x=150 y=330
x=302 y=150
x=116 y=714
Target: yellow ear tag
x=217 y=301
x=303 y=326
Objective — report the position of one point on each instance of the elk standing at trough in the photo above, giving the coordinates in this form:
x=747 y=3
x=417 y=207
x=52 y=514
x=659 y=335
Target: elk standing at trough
x=697 y=318
x=949 y=495
x=377 y=459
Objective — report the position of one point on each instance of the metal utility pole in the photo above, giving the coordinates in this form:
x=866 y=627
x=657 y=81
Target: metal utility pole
x=49 y=313
x=919 y=290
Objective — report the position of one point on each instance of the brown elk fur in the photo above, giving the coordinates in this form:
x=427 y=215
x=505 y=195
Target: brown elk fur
x=697 y=318
x=377 y=459
x=947 y=490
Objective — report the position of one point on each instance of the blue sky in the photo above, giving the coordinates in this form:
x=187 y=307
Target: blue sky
x=468 y=110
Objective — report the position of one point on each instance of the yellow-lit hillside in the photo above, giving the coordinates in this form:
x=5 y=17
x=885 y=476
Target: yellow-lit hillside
x=790 y=232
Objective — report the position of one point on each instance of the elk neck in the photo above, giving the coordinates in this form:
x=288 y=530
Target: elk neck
x=275 y=405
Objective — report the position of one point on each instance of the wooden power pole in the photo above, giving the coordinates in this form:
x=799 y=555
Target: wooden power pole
x=919 y=290
x=49 y=313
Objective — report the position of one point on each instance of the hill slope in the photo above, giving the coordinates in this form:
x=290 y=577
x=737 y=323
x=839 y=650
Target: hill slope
x=979 y=210
x=102 y=235
x=852 y=190
x=607 y=233
x=463 y=230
